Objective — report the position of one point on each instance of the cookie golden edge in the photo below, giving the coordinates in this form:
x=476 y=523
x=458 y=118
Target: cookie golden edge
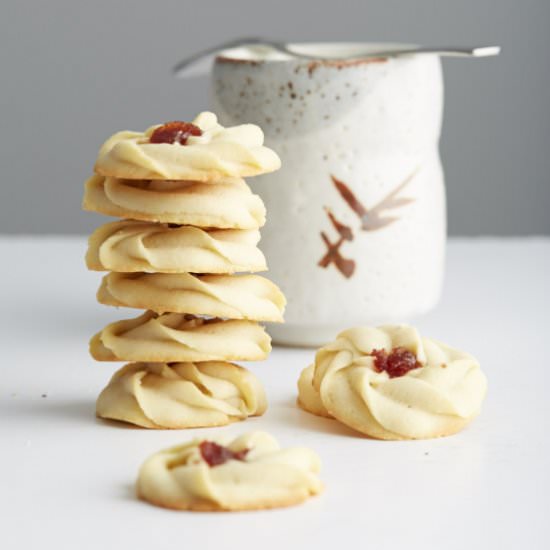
x=132 y=172
x=207 y=506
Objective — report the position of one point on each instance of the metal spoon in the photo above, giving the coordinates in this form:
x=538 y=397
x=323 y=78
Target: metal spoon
x=199 y=63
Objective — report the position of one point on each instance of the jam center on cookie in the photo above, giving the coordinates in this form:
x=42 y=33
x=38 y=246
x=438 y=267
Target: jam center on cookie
x=396 y=363
x=175 y=132
x=215 y=455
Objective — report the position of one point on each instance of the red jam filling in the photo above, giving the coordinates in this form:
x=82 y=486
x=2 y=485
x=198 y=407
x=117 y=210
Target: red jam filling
x=215 y=455
x=396 y=363
x=175 y=132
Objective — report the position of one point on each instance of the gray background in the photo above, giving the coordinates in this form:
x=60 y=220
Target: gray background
x=75 y=72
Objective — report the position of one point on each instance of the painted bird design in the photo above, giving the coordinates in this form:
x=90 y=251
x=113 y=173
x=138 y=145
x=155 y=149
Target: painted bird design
x=373 y=218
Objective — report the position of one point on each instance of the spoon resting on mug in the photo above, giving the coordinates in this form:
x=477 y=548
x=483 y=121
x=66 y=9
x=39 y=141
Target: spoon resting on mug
x=200 y=62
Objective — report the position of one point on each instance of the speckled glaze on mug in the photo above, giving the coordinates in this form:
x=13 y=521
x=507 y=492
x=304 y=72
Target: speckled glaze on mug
x=356 y=215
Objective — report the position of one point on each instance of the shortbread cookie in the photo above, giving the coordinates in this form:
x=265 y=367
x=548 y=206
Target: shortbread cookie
x=201 y=151
x=229 y=296
x=132 y=246
x=249 y=473
x=389 y=383
x=227 y=204
x=181 y=395
x=178 y=337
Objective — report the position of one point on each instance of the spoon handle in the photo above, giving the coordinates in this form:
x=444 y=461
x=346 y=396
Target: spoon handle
x=478 y=51
x=446 y=51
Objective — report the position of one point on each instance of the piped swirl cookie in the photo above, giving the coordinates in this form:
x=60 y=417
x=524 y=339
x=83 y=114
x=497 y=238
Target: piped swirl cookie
x=228 y=203
x=133 y=246
x=389 y=383
x=179 y=337
x=181 y=395
x=227 y=296
x=250 y=472
x=201 y=151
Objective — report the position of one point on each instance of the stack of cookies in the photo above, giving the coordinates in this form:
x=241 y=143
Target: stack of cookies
x=189 y=224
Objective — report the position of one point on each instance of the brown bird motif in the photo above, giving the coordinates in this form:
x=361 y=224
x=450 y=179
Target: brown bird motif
x=373 y=219
x=333 y=254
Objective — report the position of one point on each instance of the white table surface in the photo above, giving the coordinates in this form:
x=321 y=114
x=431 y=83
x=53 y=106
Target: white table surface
x=67 y=478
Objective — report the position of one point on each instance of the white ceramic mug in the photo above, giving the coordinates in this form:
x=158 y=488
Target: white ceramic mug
x=356 y=215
